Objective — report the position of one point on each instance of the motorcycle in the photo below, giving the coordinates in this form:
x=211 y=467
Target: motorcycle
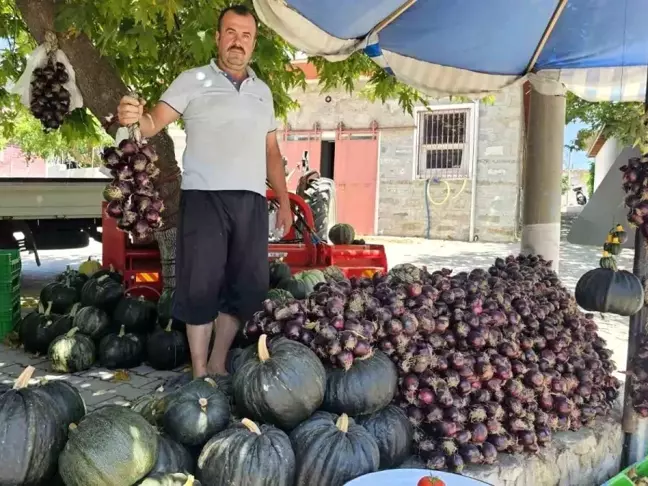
x=581 y=199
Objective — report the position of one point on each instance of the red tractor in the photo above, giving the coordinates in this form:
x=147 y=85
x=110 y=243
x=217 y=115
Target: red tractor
x=304 y=247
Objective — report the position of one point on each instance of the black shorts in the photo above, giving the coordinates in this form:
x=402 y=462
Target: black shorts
x=221 y=255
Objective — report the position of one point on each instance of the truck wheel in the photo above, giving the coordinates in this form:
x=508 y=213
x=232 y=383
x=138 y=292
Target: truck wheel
x=319 y=194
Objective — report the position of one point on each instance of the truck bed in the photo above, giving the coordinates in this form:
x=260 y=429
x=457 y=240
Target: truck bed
x=51 y=198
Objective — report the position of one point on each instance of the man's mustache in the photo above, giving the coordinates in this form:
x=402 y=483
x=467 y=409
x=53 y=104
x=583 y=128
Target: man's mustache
x=236 y=48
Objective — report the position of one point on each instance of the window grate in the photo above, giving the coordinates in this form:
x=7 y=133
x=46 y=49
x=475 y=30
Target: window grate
x=444 y=143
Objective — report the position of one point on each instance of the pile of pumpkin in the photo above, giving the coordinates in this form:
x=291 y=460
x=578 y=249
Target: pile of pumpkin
x=46 y=438
x=85 y=317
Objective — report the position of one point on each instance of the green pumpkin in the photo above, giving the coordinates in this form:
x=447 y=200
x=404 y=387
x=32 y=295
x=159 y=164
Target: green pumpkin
x=333 y=274
x=246 y=453
x=33 y=431
x=71 y=352
x=311 y=278
x=112 y=446
x=280 y=296
x=280 y=384
x=196 y=412
x=332 y=450
x=172 y=457
x=608 y=262
x=297 y=288
x=609 y=291
x=393 y=432
x=278 y=272
x=342 y=234
x=171 y=479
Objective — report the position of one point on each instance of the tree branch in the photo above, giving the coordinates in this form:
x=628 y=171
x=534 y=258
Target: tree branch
x=102 y=88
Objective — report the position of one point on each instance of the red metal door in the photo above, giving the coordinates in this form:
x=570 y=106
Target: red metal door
x=293 y=144
x=356 y=175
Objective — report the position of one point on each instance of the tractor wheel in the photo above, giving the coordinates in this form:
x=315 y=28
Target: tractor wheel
x=319 y=194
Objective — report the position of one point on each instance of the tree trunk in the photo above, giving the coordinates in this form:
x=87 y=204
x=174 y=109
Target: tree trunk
x=102 y=88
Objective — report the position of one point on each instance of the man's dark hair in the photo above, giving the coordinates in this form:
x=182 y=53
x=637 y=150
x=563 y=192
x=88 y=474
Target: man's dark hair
x=242 y=10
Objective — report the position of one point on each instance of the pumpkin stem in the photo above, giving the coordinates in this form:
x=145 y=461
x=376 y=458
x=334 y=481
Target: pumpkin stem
x=72 y=426
x=251 y=426
x=203 y=404
x=262 y=348
x=168 y=328
x=48 y=323
x=122 y=331
x=23 y=379
x=72 y=332
x=190 y=481
x=74 y=309
x=41 y=309
x=49 y=308
x=102 y=278
x=343 y=423
x=210 y=381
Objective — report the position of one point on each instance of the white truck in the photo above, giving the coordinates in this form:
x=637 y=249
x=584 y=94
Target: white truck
x=60 y=211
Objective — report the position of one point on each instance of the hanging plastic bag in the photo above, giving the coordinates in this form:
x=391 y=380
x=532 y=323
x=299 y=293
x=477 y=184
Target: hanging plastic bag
x=48 y=85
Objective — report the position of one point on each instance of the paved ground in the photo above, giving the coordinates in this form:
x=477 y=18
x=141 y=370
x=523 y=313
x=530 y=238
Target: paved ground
x=100 y=386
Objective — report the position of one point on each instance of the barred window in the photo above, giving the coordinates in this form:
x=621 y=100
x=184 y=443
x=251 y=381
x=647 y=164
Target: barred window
x=444 y=143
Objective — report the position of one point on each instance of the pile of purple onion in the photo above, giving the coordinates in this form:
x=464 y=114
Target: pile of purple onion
x=489 y=361
x=635 y=178
x=132 y=197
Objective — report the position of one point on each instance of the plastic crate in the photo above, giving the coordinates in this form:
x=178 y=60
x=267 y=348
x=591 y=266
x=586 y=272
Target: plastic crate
x=622 y=478
x=10 y=264
x=9 y=316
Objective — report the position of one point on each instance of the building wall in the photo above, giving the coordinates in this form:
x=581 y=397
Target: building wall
x=605 y=159
x=13 y=163
x=402 y=208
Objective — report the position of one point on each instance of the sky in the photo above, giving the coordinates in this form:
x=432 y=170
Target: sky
x=579 y=158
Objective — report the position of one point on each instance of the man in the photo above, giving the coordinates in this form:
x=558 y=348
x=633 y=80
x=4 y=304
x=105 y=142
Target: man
x=222 y=247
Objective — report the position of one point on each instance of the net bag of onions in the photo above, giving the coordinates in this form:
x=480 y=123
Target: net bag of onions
x=48 y=85
x=132 y=197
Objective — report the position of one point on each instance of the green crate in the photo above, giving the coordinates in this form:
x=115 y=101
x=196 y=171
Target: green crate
x=622 y=479
x=9 y=316
x=10 y=264
x=10 y=284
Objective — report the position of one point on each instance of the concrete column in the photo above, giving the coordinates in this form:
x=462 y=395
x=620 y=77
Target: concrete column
x=605 y=160
x=542 y=177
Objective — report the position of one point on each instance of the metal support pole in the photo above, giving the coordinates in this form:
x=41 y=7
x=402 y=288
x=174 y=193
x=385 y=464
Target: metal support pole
x=635 y=333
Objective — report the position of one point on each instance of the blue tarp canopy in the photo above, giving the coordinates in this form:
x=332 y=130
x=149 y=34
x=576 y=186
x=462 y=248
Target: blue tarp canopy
x=596 y=48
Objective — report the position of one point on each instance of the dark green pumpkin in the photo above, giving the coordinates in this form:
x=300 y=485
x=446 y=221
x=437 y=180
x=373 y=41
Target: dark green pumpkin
x=297 y=288
x=393 y=433
x=112 y=446
x=93 y=322
x=111 y=273
x=196 y=412
x=151 y=407
x=280 y=296
x=137 y=314
x=369 y=385
x=332 y=450
x=62 y=296
x=342 y=234
x=170 y=479
x=102 y=292
x=38 y=330
x=167 y=349
x=404 y=273
x=604 y=290
x=246 y=453
x=67 y=400
x=172 y=457
x=123 y=350
x=281 y=383
x=75 y=278
x=71 y=352
x=278 y=272
x=32 y=434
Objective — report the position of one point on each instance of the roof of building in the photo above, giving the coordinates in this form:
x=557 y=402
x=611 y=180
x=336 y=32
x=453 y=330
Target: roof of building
x=596 y=143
